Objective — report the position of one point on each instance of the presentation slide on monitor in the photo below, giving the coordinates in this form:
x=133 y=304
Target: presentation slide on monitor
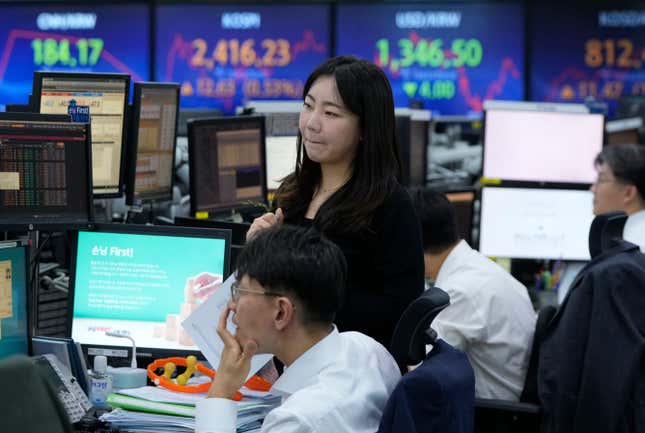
x=596 y=51
x=13 y=302
x=143 y=286
x=535 y=223
x=70 y=38
x=225 y=55
x=542 y=146
x=449 y=57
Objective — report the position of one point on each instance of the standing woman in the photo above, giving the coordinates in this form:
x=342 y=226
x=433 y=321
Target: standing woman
x=345 y=185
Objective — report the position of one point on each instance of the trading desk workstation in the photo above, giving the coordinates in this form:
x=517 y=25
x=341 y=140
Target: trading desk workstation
x=130 y=172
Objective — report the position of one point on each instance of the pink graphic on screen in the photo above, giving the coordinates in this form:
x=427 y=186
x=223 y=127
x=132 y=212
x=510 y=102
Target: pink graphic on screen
x=542 y=146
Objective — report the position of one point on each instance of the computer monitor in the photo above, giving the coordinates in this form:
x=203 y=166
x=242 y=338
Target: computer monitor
x=535 y=223
x=238 y=231
x=281 y=125
x=45 y=176
x=463 y=201
x=143 y=281
x=151 y=153
x=106 y=98
x=541 y=146
x=227 y=162
x=281 y=154
x=186 y=114
x=14 y=299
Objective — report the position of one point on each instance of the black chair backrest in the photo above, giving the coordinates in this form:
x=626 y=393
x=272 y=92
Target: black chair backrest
x=606 y=229
x=29 y=402
x=530 y=393
x=413 y=331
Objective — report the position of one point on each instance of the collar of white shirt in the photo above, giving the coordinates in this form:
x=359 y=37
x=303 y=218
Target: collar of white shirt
x=452 y=262
x=304 y=370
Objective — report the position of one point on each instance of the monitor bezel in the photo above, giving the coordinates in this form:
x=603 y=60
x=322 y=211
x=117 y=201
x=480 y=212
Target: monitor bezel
x=27 y=116
x=30 y=298
x=133 y=147
x=192 y=159
x=37 y=95
x=136 y=229
x=59 y=222
x=523 y=183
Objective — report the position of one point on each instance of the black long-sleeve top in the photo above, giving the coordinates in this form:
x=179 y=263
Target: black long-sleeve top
x=385 y=269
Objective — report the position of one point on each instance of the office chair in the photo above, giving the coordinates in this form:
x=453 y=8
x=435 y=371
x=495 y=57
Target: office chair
x=501 y=416
x=28 y=402
x=606 y=231
x=525 y=416
x=438 y=395
x=591 y=371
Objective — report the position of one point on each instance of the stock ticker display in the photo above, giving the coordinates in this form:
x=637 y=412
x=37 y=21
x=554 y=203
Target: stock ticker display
x=225 y=55
x=601 y=56
x=448 y=57
x=70 y=38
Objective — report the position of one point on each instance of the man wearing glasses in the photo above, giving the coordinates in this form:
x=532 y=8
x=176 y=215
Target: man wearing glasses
x=621 y=187
x=290 y=283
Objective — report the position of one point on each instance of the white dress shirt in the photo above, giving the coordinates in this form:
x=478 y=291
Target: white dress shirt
x=634 y=230
x=490 y=317
x=339 y=385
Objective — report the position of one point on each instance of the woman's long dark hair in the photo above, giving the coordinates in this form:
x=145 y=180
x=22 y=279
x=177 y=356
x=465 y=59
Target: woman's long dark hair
x=366 y=92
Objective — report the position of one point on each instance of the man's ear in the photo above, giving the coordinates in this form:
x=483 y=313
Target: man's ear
x=631 y=195
x=284 y=313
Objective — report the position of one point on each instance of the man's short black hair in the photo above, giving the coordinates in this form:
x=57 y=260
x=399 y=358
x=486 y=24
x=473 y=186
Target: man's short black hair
x=301 y=263
x=627 y=162
x=437 y=217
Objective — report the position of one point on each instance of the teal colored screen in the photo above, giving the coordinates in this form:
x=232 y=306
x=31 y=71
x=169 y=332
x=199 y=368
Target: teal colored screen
x=139 y=277
x=15 y=329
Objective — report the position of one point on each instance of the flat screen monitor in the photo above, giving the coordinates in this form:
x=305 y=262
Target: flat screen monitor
x=463 y=204
x=14 y=295
x=281 y=154
x=227 y=54
x=70 y=37
x=623 y=131
x=143 y=281
x=227 y=162
x=534 y=223
x=446 y=57
x=45 y=174
x=152 y=145
x=102 y=97
x=541 y=146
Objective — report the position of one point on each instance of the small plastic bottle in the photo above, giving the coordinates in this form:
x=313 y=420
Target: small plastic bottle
x=100 y=382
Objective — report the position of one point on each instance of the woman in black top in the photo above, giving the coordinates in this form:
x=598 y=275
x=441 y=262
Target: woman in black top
x=345 y=185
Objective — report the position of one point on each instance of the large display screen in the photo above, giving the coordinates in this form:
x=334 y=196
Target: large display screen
x=135 y=283
x=70 y=38
x=541 y=146
x=225 y=55
x=601 y=56
x=450 y=57
x=535 y=223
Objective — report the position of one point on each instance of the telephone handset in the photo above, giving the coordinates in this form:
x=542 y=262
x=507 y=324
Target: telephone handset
x=69 y=392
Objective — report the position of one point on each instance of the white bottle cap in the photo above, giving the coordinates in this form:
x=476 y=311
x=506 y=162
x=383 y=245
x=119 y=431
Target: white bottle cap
x=100 y=364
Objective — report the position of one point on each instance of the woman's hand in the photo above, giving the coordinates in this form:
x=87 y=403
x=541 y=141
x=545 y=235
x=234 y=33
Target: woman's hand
x=267 y=220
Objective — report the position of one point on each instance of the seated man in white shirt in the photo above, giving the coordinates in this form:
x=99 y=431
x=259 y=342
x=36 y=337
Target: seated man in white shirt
x=490 y=316
x=620 y=186
x=290 y=285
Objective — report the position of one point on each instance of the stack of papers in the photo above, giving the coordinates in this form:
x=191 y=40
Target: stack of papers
x=154 y=409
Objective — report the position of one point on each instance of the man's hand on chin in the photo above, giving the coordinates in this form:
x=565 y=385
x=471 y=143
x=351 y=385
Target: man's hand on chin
x=234 y=364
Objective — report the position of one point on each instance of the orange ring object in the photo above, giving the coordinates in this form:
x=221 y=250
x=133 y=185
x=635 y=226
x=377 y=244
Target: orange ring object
x=255 y=383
